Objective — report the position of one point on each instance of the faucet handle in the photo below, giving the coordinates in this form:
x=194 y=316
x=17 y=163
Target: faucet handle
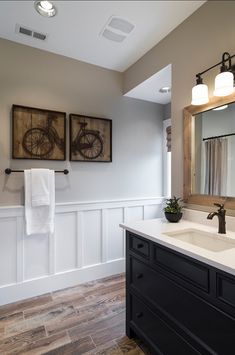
x=221 y=206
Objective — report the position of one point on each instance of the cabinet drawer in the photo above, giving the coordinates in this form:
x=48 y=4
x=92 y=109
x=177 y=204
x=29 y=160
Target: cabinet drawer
x=181 y=266
x=139 y=245
x=197 y=317
x=167 y=341
x=225 y=289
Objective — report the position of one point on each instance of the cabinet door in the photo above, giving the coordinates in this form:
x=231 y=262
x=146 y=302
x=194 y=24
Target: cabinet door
x=202 y=321
x=163 y=339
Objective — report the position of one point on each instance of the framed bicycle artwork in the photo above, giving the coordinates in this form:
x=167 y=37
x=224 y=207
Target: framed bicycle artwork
x=90 y=139
x=38 y=134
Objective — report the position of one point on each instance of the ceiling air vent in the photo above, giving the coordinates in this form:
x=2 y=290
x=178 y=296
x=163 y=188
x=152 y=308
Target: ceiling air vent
x=117 y=29
x=112 y=36
x=39 y=35
x=121 y=24
x=22 y=30
x=25 y=31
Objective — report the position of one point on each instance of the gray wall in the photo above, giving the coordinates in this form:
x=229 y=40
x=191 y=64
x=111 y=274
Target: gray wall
x=167 y=111
x=192 y=47
x=36 y=78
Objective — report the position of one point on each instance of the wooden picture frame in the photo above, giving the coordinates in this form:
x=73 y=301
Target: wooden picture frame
x=189 y=196
x=90 y=139
x=38 y=133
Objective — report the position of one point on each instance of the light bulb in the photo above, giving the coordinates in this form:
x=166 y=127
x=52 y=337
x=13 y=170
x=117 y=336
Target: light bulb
x=46 y=5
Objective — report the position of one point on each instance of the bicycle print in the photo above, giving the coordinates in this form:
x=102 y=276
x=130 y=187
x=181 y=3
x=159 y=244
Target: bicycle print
x=38 y=134
x=90 y=139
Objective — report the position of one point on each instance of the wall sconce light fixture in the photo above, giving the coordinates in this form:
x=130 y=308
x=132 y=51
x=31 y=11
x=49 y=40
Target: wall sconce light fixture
x=223 y=81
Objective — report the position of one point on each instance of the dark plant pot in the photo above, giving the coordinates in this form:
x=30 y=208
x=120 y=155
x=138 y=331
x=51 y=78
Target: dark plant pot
x=173 y=217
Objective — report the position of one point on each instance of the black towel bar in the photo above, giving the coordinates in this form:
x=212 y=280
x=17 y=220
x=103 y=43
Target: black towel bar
x=8 y=171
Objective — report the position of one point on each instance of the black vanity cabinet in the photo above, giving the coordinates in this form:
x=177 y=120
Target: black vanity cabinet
x=176 y=304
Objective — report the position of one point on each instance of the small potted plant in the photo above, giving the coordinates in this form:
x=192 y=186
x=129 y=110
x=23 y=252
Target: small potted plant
x=173 y=209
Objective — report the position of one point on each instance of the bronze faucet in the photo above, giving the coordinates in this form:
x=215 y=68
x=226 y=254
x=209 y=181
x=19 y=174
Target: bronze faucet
x=221 y=216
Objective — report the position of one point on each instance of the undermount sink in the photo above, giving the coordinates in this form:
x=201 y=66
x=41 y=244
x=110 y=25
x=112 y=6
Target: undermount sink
x=205 y=240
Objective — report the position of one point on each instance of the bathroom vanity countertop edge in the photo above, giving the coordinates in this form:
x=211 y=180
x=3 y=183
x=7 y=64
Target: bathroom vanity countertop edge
x=154 y=230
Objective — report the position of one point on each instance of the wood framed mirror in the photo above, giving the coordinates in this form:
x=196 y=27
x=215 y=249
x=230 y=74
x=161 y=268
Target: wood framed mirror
x=203 y=124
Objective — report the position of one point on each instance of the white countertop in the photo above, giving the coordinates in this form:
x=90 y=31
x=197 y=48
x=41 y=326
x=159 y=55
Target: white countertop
x=154 y=230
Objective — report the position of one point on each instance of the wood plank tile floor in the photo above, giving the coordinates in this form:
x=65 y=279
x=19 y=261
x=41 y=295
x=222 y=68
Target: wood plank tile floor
x=86 y=319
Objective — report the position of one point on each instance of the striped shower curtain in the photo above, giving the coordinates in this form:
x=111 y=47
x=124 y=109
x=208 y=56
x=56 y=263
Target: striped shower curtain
x=216 y=166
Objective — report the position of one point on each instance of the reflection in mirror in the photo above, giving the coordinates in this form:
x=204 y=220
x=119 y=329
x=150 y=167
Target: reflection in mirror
x=214 y=146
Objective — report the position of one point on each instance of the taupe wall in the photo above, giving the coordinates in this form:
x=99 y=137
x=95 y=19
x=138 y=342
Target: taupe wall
x=36 y=78
x=195 y=45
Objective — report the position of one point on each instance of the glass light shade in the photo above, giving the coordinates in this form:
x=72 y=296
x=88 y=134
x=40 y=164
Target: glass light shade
x=224 y=84
x=200 y=94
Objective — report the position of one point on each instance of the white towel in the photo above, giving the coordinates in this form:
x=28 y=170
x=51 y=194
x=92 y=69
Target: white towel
x=39 y=219
x=40 y=187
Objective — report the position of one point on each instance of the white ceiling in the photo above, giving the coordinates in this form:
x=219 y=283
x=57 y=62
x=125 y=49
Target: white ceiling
x=74 y=31
x=148 y=90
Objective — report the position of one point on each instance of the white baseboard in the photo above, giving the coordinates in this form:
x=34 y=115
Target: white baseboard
x=33 y=288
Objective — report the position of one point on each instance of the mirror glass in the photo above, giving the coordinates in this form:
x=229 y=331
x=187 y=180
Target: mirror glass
x=213 y=151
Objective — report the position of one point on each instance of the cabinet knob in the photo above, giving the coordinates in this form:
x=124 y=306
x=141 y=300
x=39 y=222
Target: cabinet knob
x=139 y=315
x=140 y=245
x=139 y=276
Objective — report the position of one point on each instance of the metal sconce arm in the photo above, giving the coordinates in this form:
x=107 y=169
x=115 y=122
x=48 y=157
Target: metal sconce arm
x=223 y=61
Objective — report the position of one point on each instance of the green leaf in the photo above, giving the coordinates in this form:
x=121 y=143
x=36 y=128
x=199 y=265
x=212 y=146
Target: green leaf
x=173 y=205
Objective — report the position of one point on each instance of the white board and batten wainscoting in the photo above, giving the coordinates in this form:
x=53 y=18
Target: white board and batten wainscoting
x=88 y=244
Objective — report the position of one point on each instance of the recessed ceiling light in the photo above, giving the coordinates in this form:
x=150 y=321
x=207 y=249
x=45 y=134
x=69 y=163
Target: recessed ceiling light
x=45 y=8
x=165 y=89
x=220 y=108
